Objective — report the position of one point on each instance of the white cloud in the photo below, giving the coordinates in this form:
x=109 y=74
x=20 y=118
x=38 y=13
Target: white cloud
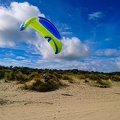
x=20 y=58
x=66 y=33
x=108 y=39
x=108 y=52
x=72 y=49
x=118 y=63
x=10 y=19
x=105 y=65
x=95 y=15
x=9 y=61
x=92 y=64
x=65 y=27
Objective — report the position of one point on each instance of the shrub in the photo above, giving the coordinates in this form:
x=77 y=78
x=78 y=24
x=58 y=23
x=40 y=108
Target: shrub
x=10 y=75
x=2 y=74
x=21 y=77
x=115 y=78
x=103 y=83
x=57 y=75
x=94 y=77
x=33 y=75
x=38 y=85
x=81 y=76
x=66 y=77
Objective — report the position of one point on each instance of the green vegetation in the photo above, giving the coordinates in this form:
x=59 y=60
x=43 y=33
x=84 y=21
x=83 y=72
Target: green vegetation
x=32 y=79
x=104 y=83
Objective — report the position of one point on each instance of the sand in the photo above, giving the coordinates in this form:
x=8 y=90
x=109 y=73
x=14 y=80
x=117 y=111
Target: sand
x=79 y=101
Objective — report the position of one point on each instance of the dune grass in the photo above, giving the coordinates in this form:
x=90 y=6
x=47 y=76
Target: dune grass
x=103 y=83
x=38 y=84
x=32 y=79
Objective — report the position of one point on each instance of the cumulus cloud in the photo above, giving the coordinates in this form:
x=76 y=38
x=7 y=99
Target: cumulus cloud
x=72 y=49
x=118 y=63
x=104 y=65
x=91 y=64
x=108 y=39
x=10 y=19
x=21 y=62
x=108 y=52
x=95 y=15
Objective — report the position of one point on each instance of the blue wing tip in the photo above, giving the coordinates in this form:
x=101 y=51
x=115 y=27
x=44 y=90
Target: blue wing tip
x=56 y=52
x=22 y=27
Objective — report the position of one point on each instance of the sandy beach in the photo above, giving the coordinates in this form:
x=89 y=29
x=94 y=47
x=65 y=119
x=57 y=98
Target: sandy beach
x=79 y=101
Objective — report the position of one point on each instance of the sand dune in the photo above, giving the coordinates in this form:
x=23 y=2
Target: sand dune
x=79 y=101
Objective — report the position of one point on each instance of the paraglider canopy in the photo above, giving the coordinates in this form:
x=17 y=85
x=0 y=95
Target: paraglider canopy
x=46 y=29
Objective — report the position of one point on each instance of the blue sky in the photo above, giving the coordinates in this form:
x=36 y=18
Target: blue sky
x=89 y=29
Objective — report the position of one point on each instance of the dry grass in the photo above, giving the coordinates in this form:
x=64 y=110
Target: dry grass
x=37 y=84
x=103 y=83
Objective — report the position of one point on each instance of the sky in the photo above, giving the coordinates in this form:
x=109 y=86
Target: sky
x=90 y=31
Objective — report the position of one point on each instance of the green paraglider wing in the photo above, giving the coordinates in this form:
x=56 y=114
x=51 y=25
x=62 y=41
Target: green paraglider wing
x=46 y=29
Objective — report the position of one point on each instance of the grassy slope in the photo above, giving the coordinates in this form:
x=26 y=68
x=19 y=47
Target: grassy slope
x=32 y=79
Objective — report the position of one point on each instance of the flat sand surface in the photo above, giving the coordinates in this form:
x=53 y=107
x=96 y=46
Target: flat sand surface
x=79 y=101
